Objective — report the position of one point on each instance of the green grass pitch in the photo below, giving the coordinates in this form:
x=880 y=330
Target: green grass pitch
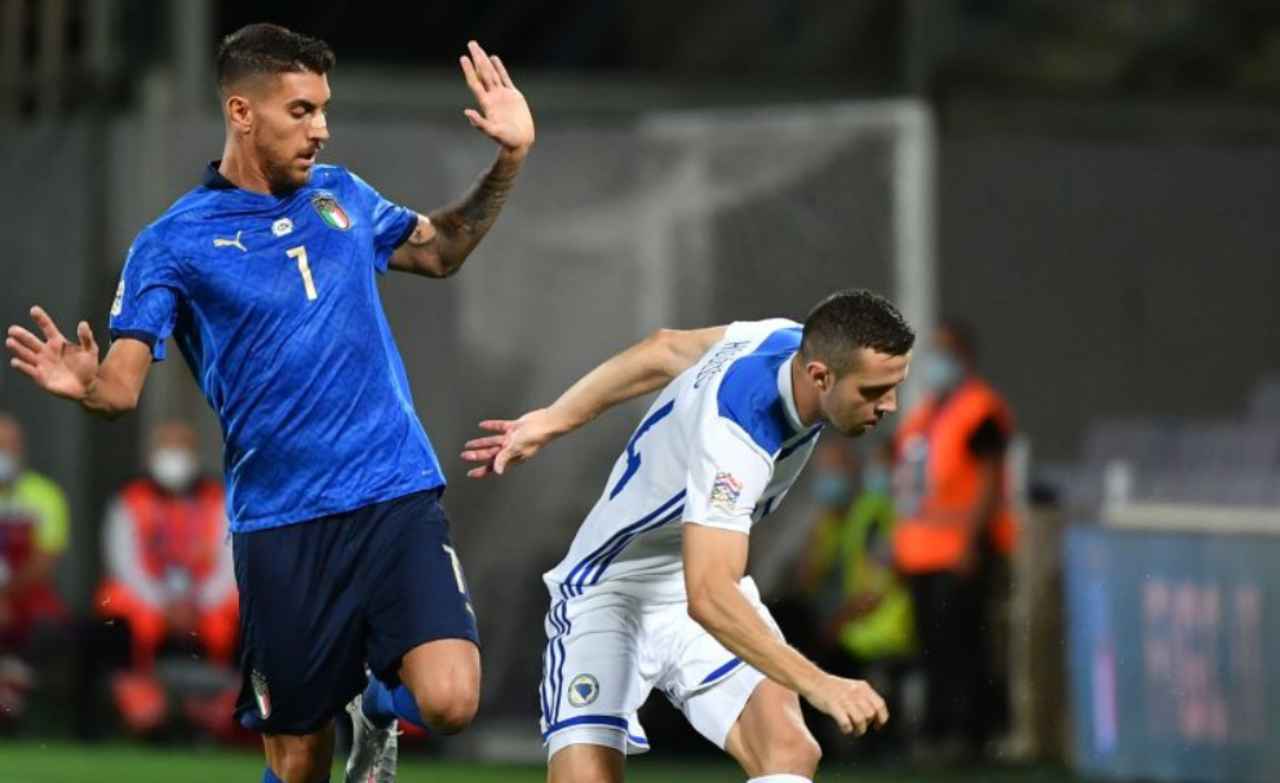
x=36 y=762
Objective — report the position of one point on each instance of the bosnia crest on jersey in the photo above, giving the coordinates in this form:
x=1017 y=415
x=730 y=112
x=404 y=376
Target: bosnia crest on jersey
x=327 y=206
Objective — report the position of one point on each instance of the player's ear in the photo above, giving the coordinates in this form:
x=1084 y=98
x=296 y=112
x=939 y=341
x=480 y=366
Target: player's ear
x=239 y=111
x=820 y=374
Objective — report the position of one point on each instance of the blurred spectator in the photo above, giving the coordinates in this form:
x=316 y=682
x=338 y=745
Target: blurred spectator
x=171 y=584
x=33 y=535
x=955 y=527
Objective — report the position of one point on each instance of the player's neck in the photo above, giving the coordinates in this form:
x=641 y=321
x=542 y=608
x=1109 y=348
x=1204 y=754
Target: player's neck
x=803 y=393
x=240 y=170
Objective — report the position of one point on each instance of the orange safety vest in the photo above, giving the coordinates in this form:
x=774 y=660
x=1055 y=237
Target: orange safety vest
x=937 y=480
x=177 y=531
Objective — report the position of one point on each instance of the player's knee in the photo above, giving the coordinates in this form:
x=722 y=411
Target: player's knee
x=794 y=751
x=448 y=707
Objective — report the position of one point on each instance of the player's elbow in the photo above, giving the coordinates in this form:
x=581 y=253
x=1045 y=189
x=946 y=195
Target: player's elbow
x=665 y=346
x=446 y=264
x=126 y=402
x=703 y=604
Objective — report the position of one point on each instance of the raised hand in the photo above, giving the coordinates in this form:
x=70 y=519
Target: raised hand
x=504 y=114
x=518 y=441
x=852 y=704
x=58 y=366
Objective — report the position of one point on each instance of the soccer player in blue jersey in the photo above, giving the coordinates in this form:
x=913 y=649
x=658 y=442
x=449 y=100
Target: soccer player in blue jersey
x=264 y=275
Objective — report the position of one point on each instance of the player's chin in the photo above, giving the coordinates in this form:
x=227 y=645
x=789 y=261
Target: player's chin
x=858 y=429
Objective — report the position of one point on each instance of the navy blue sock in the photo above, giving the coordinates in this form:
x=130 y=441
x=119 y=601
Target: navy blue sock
x=382 y=705
x=270 y=777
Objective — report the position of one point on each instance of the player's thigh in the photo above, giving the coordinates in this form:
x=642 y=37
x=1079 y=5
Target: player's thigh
x=586 y=763
x=420 y=615
x=300 y=758
x=770 y=736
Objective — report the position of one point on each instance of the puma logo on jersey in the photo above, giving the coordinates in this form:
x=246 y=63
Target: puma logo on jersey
x=224 y=242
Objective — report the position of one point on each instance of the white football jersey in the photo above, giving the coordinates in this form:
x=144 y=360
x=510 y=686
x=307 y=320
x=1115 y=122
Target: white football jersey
x=720 y=446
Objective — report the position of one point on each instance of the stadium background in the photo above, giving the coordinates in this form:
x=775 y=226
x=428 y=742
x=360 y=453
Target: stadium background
x=1092 y=185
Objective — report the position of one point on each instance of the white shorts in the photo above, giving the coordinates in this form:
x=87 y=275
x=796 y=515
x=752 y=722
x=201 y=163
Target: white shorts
x=607 y=650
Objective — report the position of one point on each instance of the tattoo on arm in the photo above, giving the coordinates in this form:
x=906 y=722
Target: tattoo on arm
x=424 y=234
x=459 y=227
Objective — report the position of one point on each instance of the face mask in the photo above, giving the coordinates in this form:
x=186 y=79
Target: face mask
x=941 y=372
x=832 y=489
x=8 y=467
x=173 y=469
x=875 y=478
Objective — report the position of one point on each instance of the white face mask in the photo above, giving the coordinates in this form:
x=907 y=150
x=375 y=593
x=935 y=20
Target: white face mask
x=8 y=467
x=173 y=469
x=942 y=372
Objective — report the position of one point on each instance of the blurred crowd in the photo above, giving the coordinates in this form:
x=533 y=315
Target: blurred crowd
x=154 y=654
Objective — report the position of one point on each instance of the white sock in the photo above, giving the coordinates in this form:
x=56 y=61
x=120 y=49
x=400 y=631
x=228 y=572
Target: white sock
x=782 y=778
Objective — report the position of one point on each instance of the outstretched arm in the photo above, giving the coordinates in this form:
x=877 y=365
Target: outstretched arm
x=715 y=561
x=642 y=368
x=443 y=240
x=72 y=369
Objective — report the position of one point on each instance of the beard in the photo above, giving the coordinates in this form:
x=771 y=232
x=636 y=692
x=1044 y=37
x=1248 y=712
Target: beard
x=283 y=176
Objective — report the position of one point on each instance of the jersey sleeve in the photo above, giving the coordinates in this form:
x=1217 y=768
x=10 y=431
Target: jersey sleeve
x=392 y=223
x=727 y=477
x=146 y=303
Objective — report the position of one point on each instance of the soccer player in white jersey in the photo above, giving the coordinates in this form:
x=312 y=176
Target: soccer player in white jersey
x=653 y=592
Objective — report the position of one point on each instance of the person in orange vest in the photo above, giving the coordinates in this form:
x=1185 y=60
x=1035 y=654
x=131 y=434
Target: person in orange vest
x=33 y=535
x=170 y=577
x=954 y=521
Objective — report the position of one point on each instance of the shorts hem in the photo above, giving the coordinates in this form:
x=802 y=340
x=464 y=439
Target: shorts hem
x=734 y=680
x=392 y=678
x=604 y=735
x=247 y=720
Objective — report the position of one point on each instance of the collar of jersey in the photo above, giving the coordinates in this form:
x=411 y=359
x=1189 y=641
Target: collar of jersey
x=214 y=180
x=788 y=395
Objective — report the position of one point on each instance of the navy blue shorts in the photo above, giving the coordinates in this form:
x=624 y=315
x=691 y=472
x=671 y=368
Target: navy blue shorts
x=321 y=599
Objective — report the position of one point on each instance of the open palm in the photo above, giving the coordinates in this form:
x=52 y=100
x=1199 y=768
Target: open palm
x=504 y=114
x=56 y=364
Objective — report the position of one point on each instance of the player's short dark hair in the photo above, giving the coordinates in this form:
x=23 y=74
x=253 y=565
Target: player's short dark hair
x=852 y=319
x=261 y=49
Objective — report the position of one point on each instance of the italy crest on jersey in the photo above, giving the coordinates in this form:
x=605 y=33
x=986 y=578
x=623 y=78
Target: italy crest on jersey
x=327 y=206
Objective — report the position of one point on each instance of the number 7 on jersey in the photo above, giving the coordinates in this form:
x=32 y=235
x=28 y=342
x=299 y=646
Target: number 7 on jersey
x=304 y=269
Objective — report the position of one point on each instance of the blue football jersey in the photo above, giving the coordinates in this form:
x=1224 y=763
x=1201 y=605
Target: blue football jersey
x=274 y=305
